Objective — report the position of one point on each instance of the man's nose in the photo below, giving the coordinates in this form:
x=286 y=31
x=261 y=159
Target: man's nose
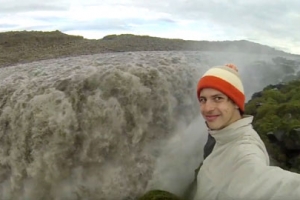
x=209 y=106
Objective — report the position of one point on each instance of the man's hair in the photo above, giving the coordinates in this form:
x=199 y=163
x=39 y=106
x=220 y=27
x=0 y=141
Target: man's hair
x=241 y=112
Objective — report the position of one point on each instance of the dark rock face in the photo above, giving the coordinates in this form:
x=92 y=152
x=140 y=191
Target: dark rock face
x=276 y=136
x=288 y=141
x=292 y=140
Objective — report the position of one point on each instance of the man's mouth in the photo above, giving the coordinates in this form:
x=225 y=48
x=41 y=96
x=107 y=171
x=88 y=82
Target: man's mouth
x=211 y=118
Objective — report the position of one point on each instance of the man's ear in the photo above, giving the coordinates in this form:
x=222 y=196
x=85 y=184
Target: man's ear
x=235 y=106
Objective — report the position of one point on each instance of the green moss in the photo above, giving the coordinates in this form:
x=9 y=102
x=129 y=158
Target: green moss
x=274 y=96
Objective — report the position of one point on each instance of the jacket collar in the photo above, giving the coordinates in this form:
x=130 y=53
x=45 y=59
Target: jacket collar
x=232 y=131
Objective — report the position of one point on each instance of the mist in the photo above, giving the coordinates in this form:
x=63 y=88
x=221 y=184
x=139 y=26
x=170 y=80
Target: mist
x=109 y=126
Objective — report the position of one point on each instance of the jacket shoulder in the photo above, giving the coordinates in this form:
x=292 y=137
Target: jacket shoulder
x=251 y=146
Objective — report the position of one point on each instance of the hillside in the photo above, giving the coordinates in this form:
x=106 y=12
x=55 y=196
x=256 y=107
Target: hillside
x=27 y=46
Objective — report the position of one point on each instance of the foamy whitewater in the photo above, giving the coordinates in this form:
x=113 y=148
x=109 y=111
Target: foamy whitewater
x=108 y=126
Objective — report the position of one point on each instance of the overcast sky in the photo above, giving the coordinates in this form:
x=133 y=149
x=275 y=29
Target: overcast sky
x=272 y=22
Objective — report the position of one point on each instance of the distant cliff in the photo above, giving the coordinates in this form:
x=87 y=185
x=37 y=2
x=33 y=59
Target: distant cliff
x=27 y=46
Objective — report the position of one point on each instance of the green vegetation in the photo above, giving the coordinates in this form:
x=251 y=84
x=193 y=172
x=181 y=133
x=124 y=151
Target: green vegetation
x=276 y=112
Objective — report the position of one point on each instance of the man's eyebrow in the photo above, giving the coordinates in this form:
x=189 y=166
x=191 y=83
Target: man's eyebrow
x=215 y=95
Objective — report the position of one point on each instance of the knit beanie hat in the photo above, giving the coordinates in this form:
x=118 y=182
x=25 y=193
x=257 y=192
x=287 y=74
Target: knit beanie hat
x=227 y=80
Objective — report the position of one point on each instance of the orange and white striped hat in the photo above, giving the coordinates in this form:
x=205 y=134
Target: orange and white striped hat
x=227 y=80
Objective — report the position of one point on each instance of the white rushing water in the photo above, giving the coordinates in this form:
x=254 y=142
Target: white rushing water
x=108 y=126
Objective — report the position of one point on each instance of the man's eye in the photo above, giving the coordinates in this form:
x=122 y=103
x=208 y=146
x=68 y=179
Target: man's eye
x=218 y=98
x=201 y=100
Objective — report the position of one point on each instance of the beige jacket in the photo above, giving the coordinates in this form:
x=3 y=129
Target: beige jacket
x=238 y=169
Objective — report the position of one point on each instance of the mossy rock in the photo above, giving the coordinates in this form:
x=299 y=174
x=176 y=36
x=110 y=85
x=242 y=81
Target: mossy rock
x=276 y=114
x=159 y=195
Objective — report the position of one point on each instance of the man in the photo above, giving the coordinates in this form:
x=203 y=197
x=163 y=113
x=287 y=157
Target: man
x=238 y=166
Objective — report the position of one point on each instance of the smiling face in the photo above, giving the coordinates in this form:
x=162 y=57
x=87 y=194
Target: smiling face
x=217 y=109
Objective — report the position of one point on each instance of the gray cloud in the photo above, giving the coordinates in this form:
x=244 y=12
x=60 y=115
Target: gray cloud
x=110 y=24
x=8 y=26
x=17 y=6
x=272 y=16
x=51 y=19
x=263 y=20
x=105 y=24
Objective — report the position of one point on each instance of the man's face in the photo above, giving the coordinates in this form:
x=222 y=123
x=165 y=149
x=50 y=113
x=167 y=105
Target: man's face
x=217 y=109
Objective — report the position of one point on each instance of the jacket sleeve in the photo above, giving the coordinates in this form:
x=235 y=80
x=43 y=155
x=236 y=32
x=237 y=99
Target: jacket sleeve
x=253 y=178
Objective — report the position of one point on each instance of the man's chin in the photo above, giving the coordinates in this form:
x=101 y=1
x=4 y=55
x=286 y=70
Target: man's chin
x=214 y=126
